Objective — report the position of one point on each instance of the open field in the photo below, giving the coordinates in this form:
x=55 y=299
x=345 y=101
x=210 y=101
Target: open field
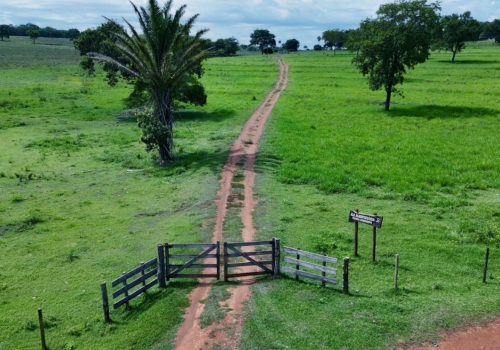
x=429 y=167
x=81 y=201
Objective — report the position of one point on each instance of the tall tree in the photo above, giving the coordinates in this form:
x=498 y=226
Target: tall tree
x=456 y=30
x=291 y=45
x=161 y=58
x=398 y=39
x=4 y=31
x=263 y=39
x=224 y=47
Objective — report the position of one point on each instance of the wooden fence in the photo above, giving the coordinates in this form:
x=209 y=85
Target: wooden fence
x=314 y=267
x=174 y=263
x=167 y=266
x=256 y=259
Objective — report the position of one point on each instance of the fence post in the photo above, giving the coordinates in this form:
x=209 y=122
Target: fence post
x=142 y=273
x=396 y=270
x=161 y=266
x=167 y=260
x=374 y=249
x=278 y=256
x=356 y=226
x=225 y=262
x=218 y=261
x=105 y=302
x=297 y=267
x=126 y=293
x=486 y=258
x=324 y=273
x=42 y=329
x=345 y=276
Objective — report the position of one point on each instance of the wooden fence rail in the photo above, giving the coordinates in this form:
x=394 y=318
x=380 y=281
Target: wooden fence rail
x=266 y=262
x=194 y=261
x=146 y=271
x=323 y=269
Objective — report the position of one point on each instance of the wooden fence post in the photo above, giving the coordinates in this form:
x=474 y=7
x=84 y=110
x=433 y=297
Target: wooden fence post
x=374 y=241
x=161 y=266
x=297 y=267
x=278 y=256
x=105 y=302
x=225 y=262
x=345 y=276
x=142 y=273
x=324 y=273
x=486 y=258
x=126 y=293
x=356 y=227
x=396 y=270
x=218 y=260
x=42 y=329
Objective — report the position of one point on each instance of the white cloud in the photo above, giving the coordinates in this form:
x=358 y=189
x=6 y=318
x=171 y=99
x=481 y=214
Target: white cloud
x=300 y=19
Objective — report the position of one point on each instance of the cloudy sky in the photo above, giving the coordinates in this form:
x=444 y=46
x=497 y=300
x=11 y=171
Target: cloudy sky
x=303 y=20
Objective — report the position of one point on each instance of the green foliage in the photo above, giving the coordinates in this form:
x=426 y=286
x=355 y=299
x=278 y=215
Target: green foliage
x=33 y=34
x=160 y=60
x=398 y=39
x=262 y=38
x=153 y=131
x=223 y=47
x=335 y=38
x=4 y=31
x=291 y=45
x=455 y=30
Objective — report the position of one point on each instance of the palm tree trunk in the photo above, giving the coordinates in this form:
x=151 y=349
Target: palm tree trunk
x=162 y=109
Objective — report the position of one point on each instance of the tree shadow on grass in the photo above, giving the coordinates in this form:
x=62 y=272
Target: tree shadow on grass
x=217 y=115
x=443 y=112
x=458 y=61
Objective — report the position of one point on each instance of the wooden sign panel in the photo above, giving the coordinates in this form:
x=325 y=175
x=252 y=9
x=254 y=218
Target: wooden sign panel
x=372 y=220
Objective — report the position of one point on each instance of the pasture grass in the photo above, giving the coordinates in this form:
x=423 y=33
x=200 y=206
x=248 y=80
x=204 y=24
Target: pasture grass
x=81 y=200
x=429 y=166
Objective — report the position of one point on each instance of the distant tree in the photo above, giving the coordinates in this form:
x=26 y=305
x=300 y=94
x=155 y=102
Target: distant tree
x=72 y=34
x=263 y=39
x=291 y=45
x=33 y=34
x=319 y=38
x=335 y=38
x=305 y=47
x=456 y=30
x=492 y=30
x=398 y=39
x=162 y=60
x=317 y=47
x=225 y=47
x=4 y=31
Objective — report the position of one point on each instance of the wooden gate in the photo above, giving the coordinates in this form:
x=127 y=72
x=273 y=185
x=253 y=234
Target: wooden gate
x=174 y=268
x=266 y=261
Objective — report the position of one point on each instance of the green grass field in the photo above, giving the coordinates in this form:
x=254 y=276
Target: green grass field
x=81 y=200
x=429 y=166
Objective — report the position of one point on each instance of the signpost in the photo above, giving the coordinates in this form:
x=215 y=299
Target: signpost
x=373 y=220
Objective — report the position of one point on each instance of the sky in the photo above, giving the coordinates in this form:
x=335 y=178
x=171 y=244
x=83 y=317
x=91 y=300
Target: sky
x=303 y=20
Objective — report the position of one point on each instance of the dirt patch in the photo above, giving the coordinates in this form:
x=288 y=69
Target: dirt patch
x=480 y=337
x=226 y=334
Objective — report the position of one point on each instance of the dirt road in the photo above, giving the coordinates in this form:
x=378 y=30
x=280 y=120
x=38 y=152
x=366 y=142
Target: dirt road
x=227 y=333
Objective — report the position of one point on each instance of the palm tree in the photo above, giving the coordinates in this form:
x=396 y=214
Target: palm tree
x=160 y=58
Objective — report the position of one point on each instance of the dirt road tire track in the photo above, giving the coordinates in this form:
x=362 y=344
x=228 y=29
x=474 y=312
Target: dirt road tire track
x=227 y=333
